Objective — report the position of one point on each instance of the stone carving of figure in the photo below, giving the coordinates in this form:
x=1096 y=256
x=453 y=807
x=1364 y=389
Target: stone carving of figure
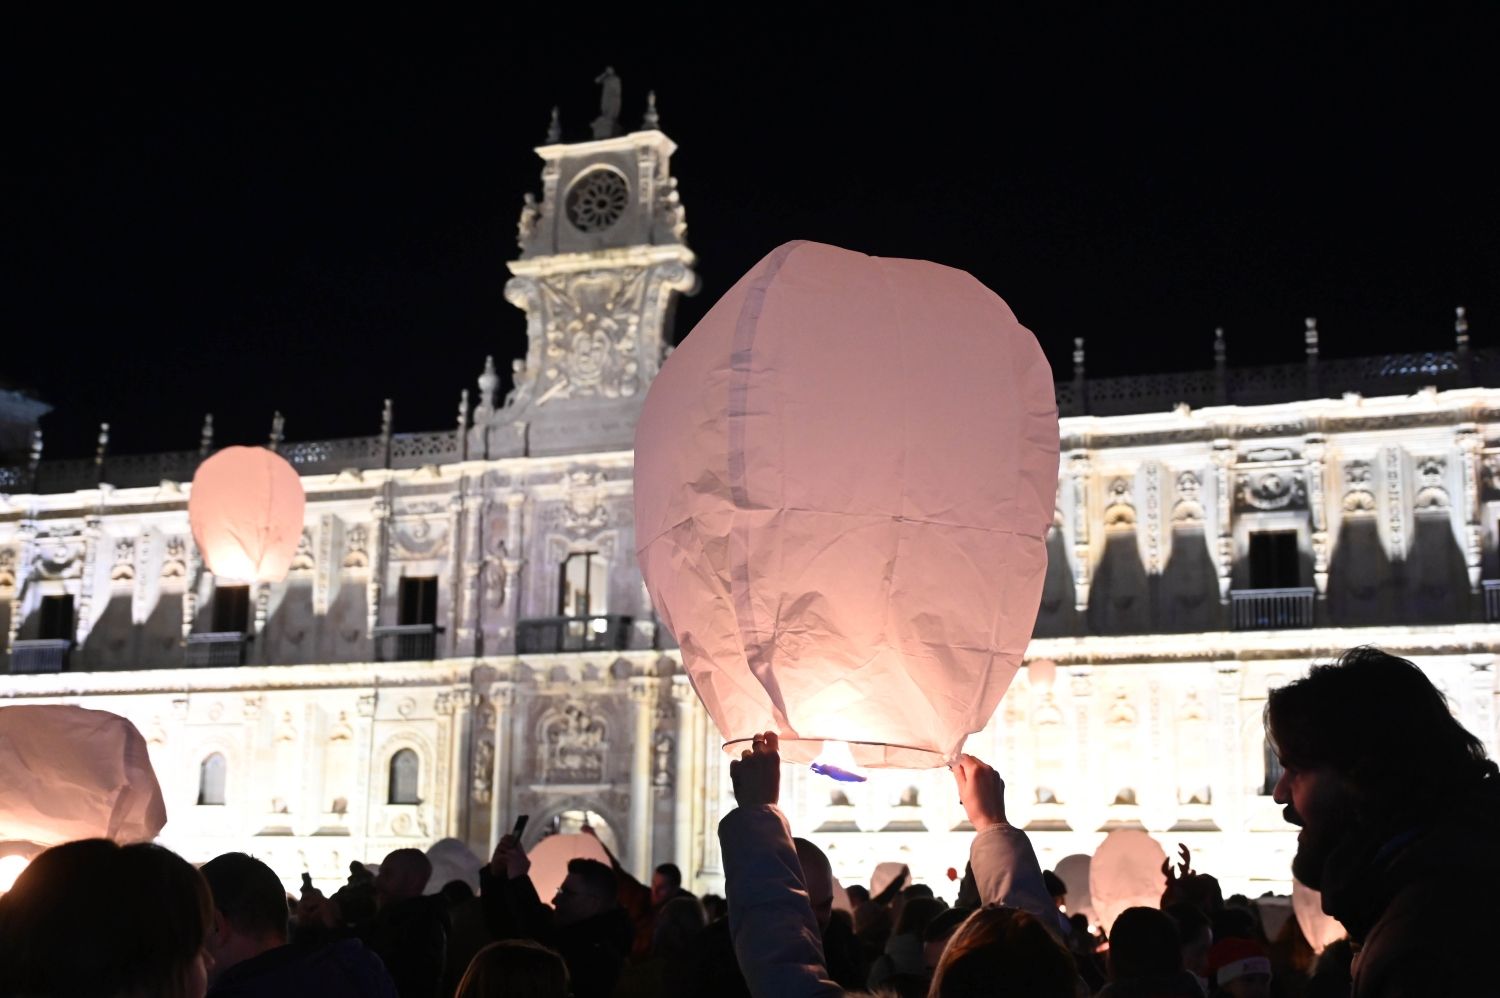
x=607 y=125
x=531 y=213
x=519 y=389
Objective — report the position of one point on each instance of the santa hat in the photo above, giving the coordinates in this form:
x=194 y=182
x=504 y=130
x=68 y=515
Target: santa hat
x=1232 y=958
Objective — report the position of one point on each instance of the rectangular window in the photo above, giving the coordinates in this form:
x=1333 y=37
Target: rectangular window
x=57 y=618
x=231 y=609
x=585 y=585
x=417 y=602
x=1274 y=562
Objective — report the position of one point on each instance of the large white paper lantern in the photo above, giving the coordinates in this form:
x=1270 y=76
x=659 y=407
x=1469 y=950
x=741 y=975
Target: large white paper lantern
x=1126 y=873
x=550 y=858
x=844 y=478
x=246 y=511
x=1074 y=872
x=68 y=773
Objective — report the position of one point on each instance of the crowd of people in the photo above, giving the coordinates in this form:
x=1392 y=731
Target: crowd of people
x=1396 y=801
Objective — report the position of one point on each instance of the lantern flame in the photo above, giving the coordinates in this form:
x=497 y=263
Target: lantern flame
x=836 y=762
x=11 y=867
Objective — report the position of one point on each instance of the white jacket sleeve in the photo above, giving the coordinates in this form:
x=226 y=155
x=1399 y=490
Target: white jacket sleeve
x=1007 y=873
x=776 y=937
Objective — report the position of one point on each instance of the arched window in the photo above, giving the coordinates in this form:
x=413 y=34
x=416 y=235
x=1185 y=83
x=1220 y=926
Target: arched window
x=211 y=775
x=404 y=772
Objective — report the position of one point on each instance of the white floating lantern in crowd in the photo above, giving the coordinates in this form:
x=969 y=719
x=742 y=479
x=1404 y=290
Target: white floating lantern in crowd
x=246 y=511
x=844 y=479
x=550 y=858
x=1126 y=873
x=71 y=773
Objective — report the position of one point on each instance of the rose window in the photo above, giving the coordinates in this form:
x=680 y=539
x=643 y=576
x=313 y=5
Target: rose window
x=597 y=200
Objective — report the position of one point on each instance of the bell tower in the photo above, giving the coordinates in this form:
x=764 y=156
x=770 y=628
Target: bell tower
x=602 y=255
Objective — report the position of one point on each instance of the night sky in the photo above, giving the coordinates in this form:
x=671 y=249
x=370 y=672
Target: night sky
x=290 y=216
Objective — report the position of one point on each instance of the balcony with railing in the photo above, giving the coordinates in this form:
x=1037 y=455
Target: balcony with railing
x=545 y=635
x=40 y=655
x=215 y=650
x=1271 y=609
x=406 y=642
x=1491 y=601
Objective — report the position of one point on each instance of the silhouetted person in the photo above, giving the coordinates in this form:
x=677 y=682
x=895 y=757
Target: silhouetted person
x=666 y=884
x=1004 y=951
x=96 y=918
x=1145 y=958
x=586 y=924
x=1396 y=801
x=251 y=955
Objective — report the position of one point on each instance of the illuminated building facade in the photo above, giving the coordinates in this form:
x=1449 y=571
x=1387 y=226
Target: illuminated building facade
x=464 y=636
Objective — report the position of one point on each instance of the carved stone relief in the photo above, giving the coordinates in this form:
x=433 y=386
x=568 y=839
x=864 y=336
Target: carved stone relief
x=573 y=745
x=123 y=569
x=174 y=562
x=7 y=569
x=1272 y=489
x=357 y=547
x=591 y=322
x=1119 y=509
x=1188 y=509
x=419 y=537
x=1359 y=495
x=1432 y=494
x=304 y=560
x=584 y=509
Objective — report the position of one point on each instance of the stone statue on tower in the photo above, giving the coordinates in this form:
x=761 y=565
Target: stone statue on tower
x=607 y=125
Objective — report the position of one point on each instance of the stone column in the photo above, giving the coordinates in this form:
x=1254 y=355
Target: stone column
x=1394 y=473
x=1229 y=786
x=1078 y=467
x=503 y=700
x=684 y=778
x=93 y=533
x=457 y=509
x=472 y=561
x=1317 y=471
x=1470 y=444
x=1223 y=458
x=454 y=711
x=380 y=511
x=643 y=694
x=27 y=533
x=512 y=563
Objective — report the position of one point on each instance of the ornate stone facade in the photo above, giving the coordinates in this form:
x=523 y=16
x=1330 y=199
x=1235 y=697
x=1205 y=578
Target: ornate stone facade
x=1198 y=558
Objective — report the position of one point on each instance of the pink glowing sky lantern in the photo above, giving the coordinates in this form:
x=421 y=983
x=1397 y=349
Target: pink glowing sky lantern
x=1126 y=873
x=246 y=511
x=844 y=479
x=71 y=773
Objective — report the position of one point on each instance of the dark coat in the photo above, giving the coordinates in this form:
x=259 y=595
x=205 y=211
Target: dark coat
x=1413 y=904
x=411 y=939
x=344 y=969
x=594 y=949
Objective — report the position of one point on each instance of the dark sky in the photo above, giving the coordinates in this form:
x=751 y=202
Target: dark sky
x=241 y=218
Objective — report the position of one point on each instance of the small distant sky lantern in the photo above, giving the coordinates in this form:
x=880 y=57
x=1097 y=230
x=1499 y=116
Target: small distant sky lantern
x=844 y=478
x=1126 y=873
x=72 y=773
x=246 y=511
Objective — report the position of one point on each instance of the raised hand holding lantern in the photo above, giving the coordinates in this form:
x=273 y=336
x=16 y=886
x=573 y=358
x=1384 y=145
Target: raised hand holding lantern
x=246 y=512
x=844 y=479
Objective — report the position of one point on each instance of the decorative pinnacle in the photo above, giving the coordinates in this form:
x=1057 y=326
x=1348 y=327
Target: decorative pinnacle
x=278 y=424
x=1310 y=337
x=651 y=120
x=387 y=417
x=206 y=435
x=554 y=128
x=1078 y=356
x=1461 y=327
x=463 y=410
x=1220 y=348
x=488 y=382
x=36 y=450
x=103 y=447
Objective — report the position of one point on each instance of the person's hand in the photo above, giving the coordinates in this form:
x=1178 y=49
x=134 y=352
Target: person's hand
x=980 y=791
x=756 y=774
x=1184 y=866
x=510 y=860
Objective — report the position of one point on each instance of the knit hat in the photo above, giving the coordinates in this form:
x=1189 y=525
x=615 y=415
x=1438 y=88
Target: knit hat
x=1233 y=958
